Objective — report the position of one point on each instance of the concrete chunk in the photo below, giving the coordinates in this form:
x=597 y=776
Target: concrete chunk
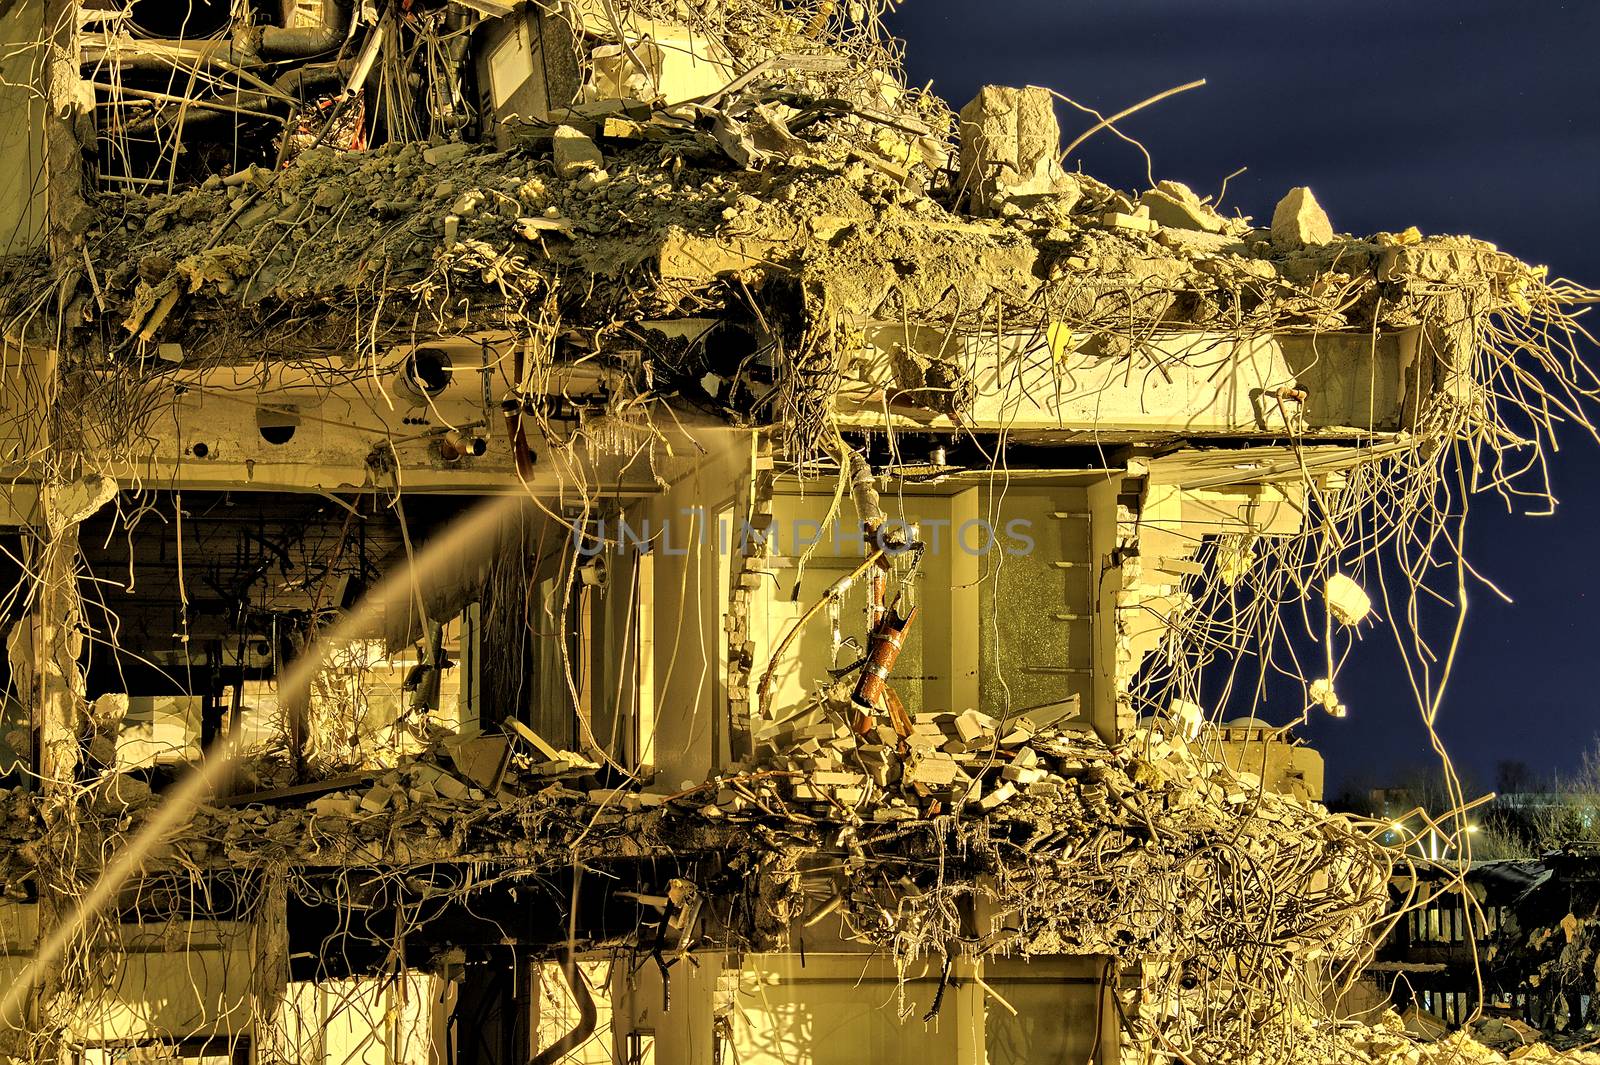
x=377 y=798
x=619 y=797
x=1299 y=221
x=1022 y=775
x=1045 y=789
x=1347 y=601
x=441 y=154
x=1004 y=793
x=574 y=152
x=1133 y=223
x=1010 y=146
x=882 y=773
x=337 y=803
x=481 y=759
x=929 y=769
x=968 y=727
x=440 y=782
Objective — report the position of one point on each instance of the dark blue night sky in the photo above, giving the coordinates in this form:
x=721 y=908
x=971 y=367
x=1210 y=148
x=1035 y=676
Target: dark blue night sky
x=1456 y=117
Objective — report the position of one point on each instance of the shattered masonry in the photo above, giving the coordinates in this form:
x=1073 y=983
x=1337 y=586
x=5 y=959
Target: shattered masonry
x=600 y=525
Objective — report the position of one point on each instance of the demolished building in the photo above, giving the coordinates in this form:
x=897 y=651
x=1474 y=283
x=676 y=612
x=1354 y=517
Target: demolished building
x=618 y=531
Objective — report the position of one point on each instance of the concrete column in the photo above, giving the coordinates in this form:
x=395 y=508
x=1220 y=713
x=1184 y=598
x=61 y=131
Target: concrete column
x=966 y=625
x=1108 y=1046
x=269 y=972
x=44 y=650
x=68 y=131
x=53 y=647
x=1106 y=563
x=964 y=1008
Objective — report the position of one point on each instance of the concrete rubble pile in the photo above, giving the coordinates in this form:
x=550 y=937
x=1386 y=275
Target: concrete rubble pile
x=1385 y=1041
x=592 y=229
x=966 y=838
x=1031 y=821
x=431 y=225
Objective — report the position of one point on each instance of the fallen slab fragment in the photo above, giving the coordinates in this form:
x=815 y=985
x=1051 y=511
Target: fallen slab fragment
x=686 y=257
x=1174 y=204
x=933 y=770
x=532 y=739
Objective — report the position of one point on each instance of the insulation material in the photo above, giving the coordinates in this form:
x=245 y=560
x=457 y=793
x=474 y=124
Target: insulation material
x=668 y=63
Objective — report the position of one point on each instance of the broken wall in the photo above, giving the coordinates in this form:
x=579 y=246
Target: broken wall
x=1002 y=586
x=832 y=1008
x=1282 y=766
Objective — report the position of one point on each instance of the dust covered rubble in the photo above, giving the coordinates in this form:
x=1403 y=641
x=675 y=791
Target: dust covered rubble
x=625 y=227
x=1383 y=1040
x=1032 y=818
x=1044 y=811
x=1001 y=837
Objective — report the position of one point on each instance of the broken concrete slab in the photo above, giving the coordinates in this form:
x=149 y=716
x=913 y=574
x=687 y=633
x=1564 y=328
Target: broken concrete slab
x=481 y=759
x=689 y=257
x=1039 y=718
x=1174 y=204
x=532 y=739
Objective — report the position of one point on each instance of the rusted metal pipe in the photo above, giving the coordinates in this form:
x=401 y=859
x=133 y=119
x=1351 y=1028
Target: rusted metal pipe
x=883 y=650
